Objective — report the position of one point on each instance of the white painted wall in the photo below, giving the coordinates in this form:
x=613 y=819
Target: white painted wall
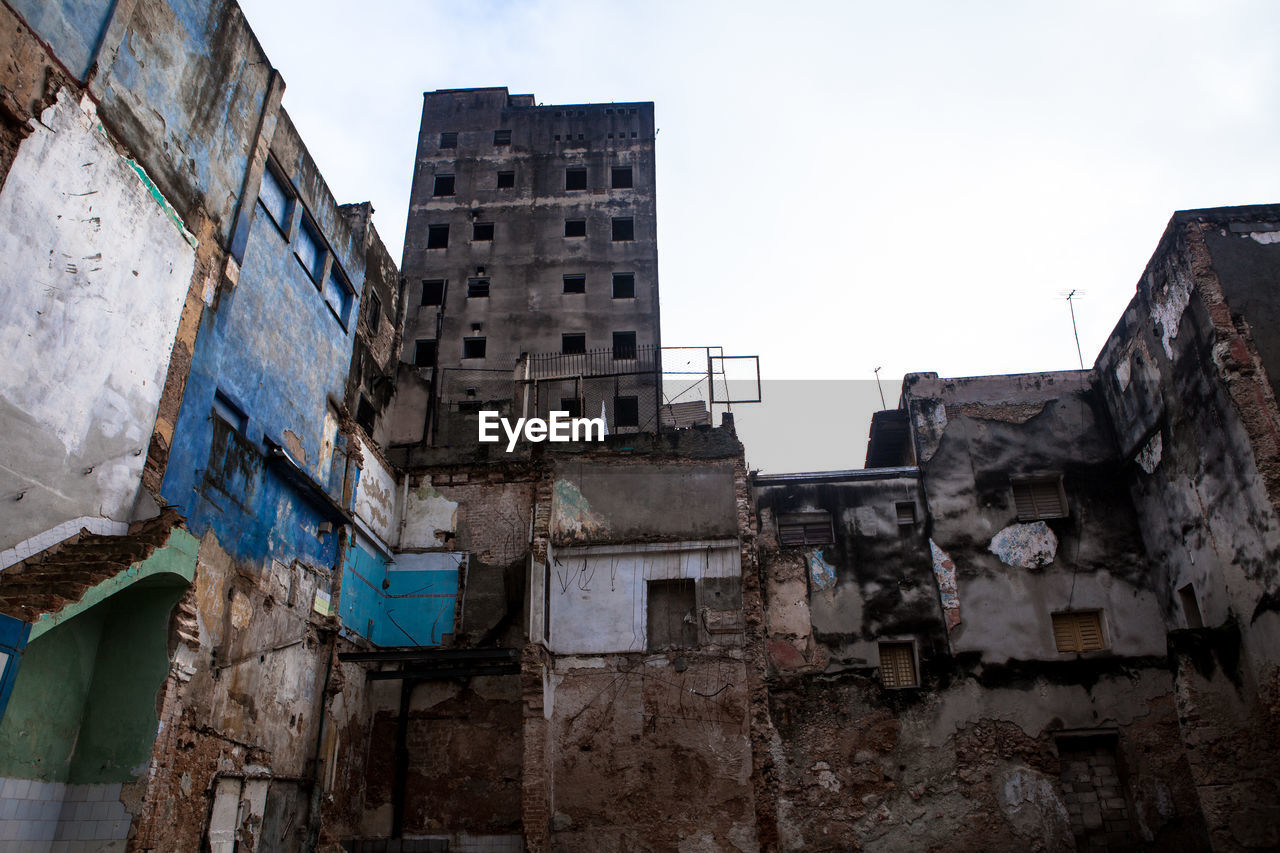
x=93 y=275
x=599 y=593
x=376 y=497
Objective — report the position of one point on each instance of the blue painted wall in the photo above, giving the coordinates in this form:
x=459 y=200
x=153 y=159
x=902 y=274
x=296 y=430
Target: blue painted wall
x=72 y=28
x=415 y=608
x=273 y=352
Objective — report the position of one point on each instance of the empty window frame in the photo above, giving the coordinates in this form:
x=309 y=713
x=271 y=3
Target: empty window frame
x=1078 y=631
x=276 y=199
x=1190 y=606
x=575 y=228
x=365 y=415
x=805 y=528
x=338 y=294
x=626 y=411
x=906 y=511
x=575 y=284
x=624 y=285
x=473 y=348
x=575 y=178
x=573 y=343
x=502 y=137
x=671 y=615
x=621 y=178
x=424 y=353
x=482 y=231
x=449 y=139
x=898 y=665
x=477 y=288
x=433 y=291
x=624 y=228
x=1040 y=496
x=624 y=345
x=437 y=236
x=443 y=185
x=506 y=180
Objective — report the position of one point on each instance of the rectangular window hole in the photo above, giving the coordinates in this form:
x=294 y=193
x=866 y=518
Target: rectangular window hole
x=433 y=291
x=437 y=236
x=624 y=285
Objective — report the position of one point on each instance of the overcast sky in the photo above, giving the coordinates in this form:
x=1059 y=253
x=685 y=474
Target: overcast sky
x=844 y=185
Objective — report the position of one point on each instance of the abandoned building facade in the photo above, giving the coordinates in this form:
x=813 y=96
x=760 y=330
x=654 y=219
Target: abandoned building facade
x=261 y=588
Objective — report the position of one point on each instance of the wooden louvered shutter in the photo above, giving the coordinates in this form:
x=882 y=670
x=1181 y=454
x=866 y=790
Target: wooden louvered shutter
x=897 y=665
x=1039 y=497
x=1078 y=631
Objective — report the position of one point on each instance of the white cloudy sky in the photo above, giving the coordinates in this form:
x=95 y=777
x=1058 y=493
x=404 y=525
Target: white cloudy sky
x=844 y=185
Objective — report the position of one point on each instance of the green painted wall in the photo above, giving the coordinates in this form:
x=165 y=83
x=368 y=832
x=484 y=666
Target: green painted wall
x=39 y=729
x=83 y=708
x=119 y=722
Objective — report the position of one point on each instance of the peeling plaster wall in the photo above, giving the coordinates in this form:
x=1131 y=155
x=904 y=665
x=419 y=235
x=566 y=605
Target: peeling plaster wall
x=84 y=235
x=1011 y=575
x=1200 y=429
x=599 y=595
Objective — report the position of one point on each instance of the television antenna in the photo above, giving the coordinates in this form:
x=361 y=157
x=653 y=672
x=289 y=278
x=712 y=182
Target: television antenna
x=1071 y=297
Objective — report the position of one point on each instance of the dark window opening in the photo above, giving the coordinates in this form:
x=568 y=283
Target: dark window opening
x=672 y=615
x=424 y=353
x=437 y=236
x=805 y=528
x=506 y=180
x=575 y=228
x=626 y=411
x=1190 y=606
x=482 y=231
x=443 y=185
x=575 y=284
x=449 y=139
x=502 y=137
x=573 y=343
x=477 y=288
x=622 y=178
x=624 y=228
x=473 y=347
x=572 y=405
x=365 y=415
x=575 y=179
x=624 y=345
x=433 y=291
x=624 y=285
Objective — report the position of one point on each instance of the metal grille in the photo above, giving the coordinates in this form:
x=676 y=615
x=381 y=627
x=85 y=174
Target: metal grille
x=1039 y=497
x=1078 y=631
x=897 y=665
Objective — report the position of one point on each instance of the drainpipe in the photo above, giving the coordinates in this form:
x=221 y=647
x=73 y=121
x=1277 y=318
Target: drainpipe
x=317 y=764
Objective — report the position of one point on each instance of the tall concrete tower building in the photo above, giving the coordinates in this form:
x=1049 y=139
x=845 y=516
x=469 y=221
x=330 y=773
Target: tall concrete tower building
x=531 y=231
